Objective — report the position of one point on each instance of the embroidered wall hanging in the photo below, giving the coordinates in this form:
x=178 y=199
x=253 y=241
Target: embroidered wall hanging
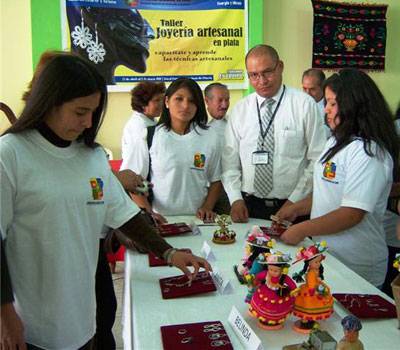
x=349 y=35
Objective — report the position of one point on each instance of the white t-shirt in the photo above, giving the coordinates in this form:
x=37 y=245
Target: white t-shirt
x=54 y=204
x=354 y=179
x=132 y=130
x=182 y=166
x=390 y=221
x=299 y=138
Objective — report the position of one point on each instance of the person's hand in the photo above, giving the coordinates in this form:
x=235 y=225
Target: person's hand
x=12 y=329
x=182 y=259
x=129 y=180
x=293 y=235
x=287 y=212
x=239 y=212
x=204 y=213
x=158 y=218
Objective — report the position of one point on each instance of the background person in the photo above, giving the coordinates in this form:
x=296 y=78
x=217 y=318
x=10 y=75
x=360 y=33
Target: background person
x=312 y=82
x=58 y=192
x=147 y=99
x=272 y=139
x=184 y=157
x=352 y=178
x=216 y=96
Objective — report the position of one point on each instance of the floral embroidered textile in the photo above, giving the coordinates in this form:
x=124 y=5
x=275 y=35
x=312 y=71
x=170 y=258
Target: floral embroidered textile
x=349 y=35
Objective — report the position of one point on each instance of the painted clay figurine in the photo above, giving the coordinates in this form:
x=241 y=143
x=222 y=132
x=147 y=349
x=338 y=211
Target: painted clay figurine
x=314 y=301
x=257 y=242
x=223 y=235
x=351 y=326
x=273 y=299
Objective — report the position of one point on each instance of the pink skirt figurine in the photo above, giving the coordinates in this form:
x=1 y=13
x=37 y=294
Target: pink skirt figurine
x=274 y=298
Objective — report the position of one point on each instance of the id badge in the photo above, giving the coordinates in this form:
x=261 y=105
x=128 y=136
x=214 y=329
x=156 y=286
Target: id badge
x=260 y=157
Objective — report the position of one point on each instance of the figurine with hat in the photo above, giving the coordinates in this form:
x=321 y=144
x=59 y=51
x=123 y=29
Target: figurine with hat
x=273 y=299
x=257 y=242
x=314 y=301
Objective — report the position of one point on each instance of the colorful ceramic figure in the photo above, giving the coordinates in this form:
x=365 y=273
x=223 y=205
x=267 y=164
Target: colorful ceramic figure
x=396 y=262
x=351 y=326
x=273 y=299
x=314 y=300
x=223 y=235
x=257 y=242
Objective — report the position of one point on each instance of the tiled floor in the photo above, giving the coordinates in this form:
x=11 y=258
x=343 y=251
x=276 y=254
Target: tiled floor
x=118 y=278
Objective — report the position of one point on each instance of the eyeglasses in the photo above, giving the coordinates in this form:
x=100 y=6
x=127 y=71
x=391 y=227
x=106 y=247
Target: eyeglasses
x=266 y=74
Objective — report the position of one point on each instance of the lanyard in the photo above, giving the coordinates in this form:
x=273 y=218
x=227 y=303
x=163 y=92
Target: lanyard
x=265 y=132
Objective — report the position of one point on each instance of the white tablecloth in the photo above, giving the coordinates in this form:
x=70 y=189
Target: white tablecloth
x=145 y=310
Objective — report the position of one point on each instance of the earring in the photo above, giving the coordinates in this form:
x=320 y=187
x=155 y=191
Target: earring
x=96 y=50
x=81 y=35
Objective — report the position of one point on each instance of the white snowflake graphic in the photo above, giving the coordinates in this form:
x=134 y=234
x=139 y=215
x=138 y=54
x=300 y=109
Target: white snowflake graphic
x=81 y=36
x=96 y=52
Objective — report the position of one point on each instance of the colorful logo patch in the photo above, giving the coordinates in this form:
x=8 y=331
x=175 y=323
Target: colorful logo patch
x=97 y=188
x=329 y=170
x=199 y=160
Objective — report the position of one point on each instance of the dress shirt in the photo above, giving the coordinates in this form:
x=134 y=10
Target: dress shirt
x=299 y=138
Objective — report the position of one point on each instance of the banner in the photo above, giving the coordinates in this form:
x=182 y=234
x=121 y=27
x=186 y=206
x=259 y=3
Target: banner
x=160 y=40
x=351 y=35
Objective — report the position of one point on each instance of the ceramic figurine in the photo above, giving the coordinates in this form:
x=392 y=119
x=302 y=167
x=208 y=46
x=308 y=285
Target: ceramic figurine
x=314 y=301
x=351 y=326
x=273 y=299
x=223 y=235
x=257 y=242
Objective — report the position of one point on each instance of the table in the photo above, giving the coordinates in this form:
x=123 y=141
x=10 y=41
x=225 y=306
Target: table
x=145 y=311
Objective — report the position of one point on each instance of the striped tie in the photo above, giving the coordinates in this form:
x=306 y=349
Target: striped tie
x=263 y=172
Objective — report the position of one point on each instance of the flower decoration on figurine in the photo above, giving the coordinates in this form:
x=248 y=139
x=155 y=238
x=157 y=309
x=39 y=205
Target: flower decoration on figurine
x=311 y=252
x=223 y=235
x=314 y=300
x=272 y=301
x=396 y=262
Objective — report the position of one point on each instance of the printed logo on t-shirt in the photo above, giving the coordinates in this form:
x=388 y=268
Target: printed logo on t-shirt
x=329 y=172
x=199 y=160
x=96 y=184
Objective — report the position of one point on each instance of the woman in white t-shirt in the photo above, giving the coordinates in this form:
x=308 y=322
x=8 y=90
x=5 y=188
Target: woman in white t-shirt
x=353 y=177
x=57 y=193
x=146 y=100
x=184 y=157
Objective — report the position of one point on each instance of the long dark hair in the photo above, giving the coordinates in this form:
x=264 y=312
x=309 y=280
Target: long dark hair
x=255 y=252
x=63 y=79
x=363 y=113
x=200 y=118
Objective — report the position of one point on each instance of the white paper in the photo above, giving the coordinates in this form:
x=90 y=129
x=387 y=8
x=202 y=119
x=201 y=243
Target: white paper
x=207 y=253
x=222 y=283
x=246 y=335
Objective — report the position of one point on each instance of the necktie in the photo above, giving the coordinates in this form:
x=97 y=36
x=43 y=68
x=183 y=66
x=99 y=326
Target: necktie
x=263 y=172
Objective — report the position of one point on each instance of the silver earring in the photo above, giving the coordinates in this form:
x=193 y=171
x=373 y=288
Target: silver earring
x=96 y=50
x=81 y=35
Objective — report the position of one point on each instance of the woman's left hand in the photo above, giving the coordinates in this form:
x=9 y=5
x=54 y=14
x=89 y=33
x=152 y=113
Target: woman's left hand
x=293 y=235
x=182 y=259
x=205 y=214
